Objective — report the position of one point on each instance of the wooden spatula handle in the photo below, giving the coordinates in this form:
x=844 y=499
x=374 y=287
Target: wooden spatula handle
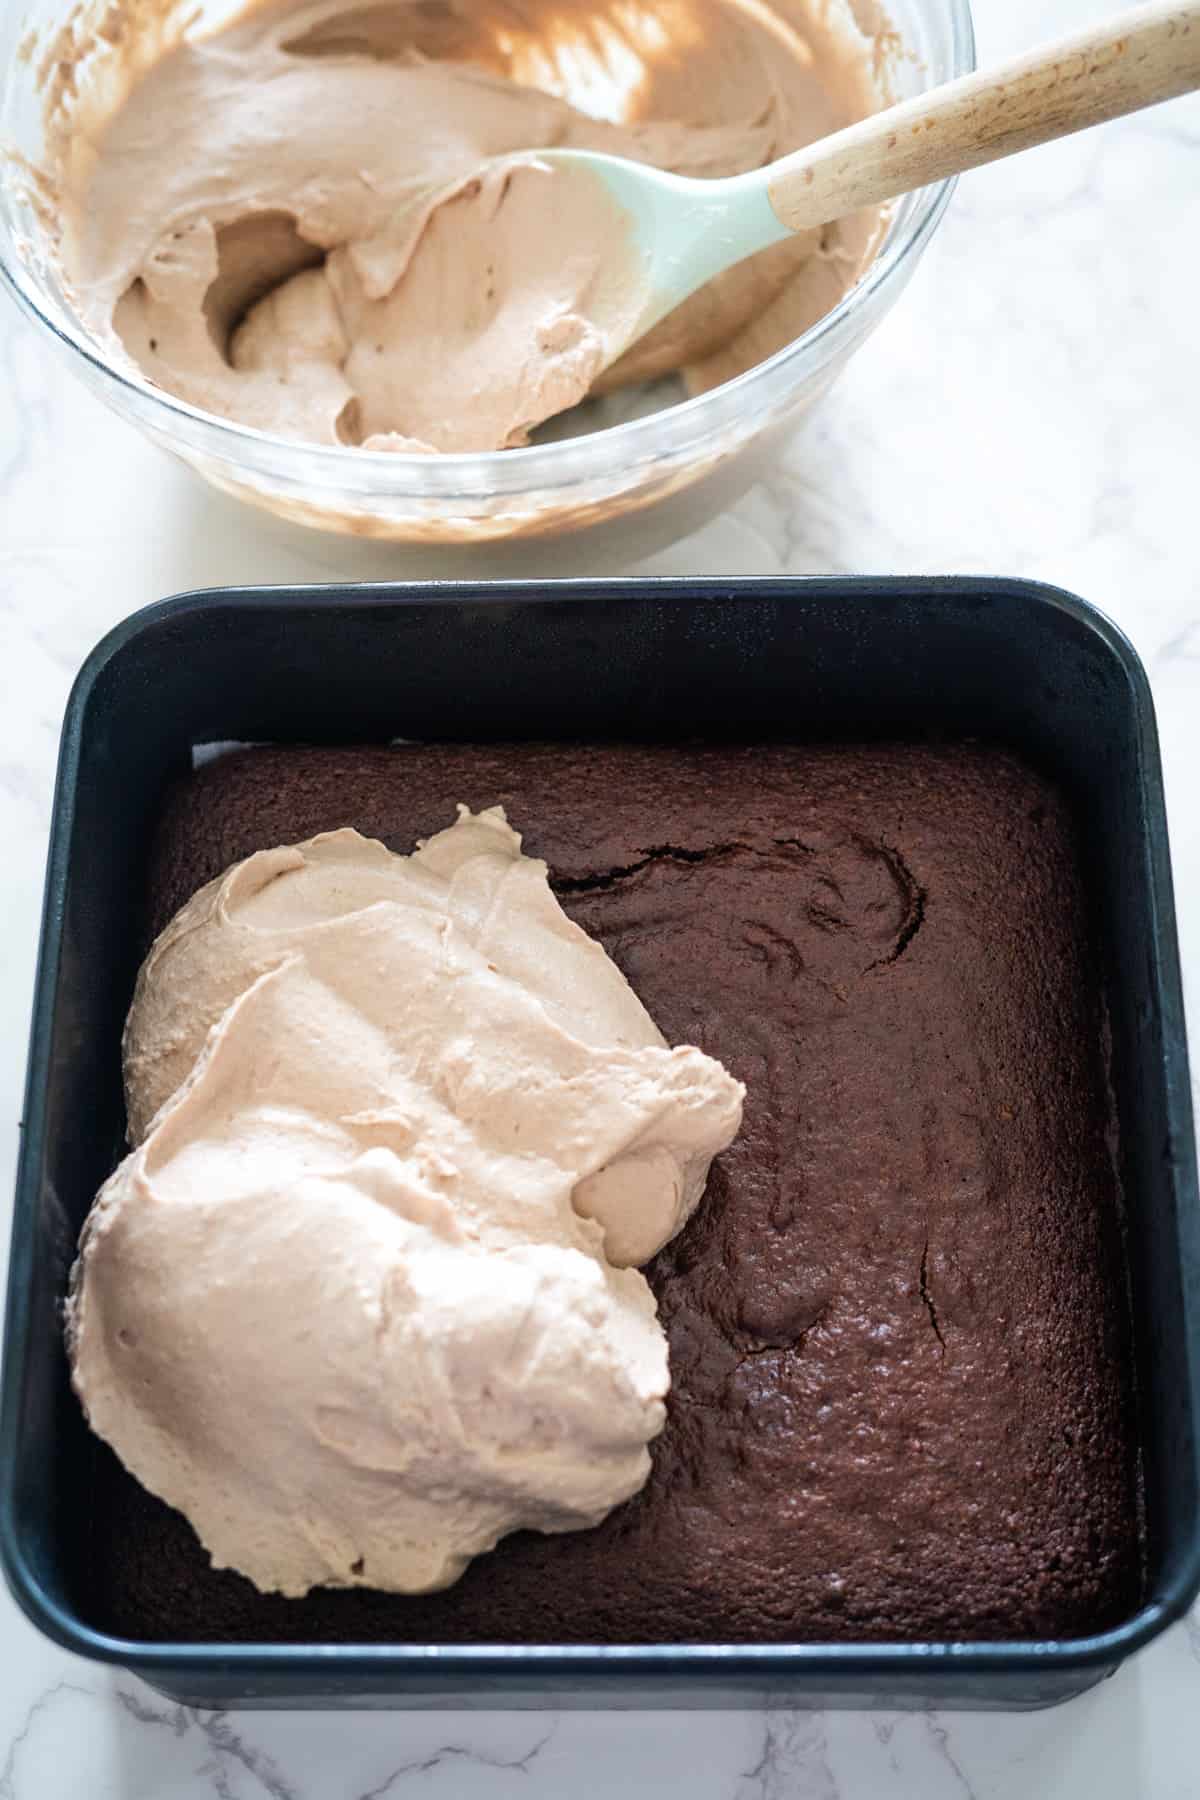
x=1134 y=60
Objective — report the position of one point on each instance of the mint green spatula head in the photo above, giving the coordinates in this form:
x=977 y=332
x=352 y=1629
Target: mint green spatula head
x=672 y=234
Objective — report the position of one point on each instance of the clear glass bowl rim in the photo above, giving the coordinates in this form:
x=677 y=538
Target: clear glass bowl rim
x=673 y=431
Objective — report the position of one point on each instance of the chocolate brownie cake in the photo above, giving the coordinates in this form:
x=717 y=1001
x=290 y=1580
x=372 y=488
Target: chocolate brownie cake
x=901 y=1402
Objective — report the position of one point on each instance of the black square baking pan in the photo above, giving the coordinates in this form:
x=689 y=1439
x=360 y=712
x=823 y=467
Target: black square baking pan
x=813 y=660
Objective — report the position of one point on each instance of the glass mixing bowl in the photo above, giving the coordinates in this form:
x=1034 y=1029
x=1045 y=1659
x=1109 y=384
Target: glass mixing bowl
x=679 y=464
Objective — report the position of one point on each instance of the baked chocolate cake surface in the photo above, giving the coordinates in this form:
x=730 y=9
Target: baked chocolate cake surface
x=901 y=1402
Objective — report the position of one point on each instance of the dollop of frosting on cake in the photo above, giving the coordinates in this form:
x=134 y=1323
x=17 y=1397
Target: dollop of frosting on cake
x=359 y=1300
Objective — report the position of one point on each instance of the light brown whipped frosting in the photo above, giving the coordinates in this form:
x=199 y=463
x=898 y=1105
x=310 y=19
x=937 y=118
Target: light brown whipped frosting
x=279 y=215
x=356 y=1303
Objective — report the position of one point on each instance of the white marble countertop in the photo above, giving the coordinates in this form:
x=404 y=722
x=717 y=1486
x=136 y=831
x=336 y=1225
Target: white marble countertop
x=1031 y=408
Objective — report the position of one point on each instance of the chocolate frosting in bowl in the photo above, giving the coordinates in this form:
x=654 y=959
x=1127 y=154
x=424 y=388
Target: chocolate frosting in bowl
x=280 y=217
